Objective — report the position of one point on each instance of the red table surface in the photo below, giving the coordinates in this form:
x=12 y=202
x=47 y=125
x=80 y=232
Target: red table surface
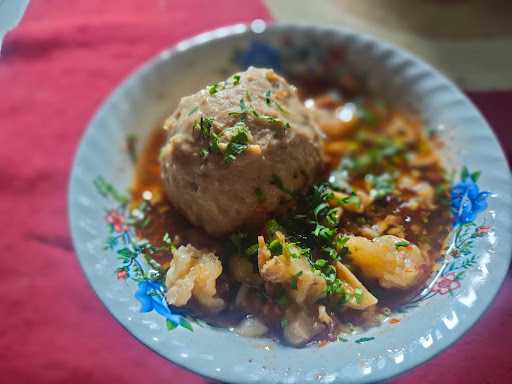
x=55 y=70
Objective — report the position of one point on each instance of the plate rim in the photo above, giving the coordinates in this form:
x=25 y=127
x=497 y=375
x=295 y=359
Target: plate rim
x=228 y=32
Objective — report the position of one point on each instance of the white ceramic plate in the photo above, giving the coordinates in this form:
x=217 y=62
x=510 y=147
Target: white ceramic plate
x=470 y=275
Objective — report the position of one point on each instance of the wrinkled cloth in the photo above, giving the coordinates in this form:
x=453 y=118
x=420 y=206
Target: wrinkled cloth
x=55 y=70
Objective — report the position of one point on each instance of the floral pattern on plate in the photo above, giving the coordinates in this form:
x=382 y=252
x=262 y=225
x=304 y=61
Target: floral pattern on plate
x=136 y=263
x=135 y=259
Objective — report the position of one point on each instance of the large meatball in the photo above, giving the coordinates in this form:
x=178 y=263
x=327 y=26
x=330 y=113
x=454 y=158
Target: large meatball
x=238 y=151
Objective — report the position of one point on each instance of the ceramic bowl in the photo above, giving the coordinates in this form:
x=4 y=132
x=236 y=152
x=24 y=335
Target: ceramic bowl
x=467 y=278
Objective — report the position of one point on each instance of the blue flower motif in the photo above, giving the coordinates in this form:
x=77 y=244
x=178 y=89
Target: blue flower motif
x=151 y=297
x=467 y=201
x=260 y=54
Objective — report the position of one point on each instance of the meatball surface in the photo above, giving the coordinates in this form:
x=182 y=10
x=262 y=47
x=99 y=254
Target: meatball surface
x=238 y=150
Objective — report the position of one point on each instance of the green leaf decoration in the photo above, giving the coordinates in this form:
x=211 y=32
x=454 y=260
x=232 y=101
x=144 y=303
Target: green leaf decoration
x=364 y=340
x=464 y=173
x=475 y=176
x=186 y=324
x=170 y=325
x=468 y=263
x=108 y=190
x=111 y=243
x=126 y=254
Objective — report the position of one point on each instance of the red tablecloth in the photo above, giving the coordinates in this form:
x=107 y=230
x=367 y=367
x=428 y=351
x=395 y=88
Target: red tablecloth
x=55 y=70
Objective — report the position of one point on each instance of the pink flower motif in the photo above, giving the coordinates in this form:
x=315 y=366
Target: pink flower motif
x=482 y=230
x=447 y=283
x=117 y=220
x=122 y=275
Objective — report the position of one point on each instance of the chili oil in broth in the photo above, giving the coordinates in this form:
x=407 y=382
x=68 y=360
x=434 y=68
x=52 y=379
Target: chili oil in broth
x=365 y=140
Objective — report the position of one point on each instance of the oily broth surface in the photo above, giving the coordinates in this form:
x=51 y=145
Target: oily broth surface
x=426 y=227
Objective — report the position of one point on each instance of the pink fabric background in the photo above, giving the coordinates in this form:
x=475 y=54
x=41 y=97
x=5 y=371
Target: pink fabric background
x=55 y=70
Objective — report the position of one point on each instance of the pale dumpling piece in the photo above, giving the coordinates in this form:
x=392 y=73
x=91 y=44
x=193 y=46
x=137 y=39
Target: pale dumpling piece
x=242 y=271
x=308 y=286
x=423 y=192
x=302 y=325
x=193 y=273
x=392 y=261
x=351 y=283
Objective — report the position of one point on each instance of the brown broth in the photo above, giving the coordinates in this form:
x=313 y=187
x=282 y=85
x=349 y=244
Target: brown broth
x=434 y=223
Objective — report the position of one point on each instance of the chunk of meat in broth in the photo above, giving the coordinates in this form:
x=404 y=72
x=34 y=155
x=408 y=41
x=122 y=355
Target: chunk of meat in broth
x=281 y=269
x=193 y=273
x=301 y=325
x=392 y=261
x=403 y=128
x=390 y=225
x=242 y=271
x=422 y=193
x=361 y=301
x=305 y=318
